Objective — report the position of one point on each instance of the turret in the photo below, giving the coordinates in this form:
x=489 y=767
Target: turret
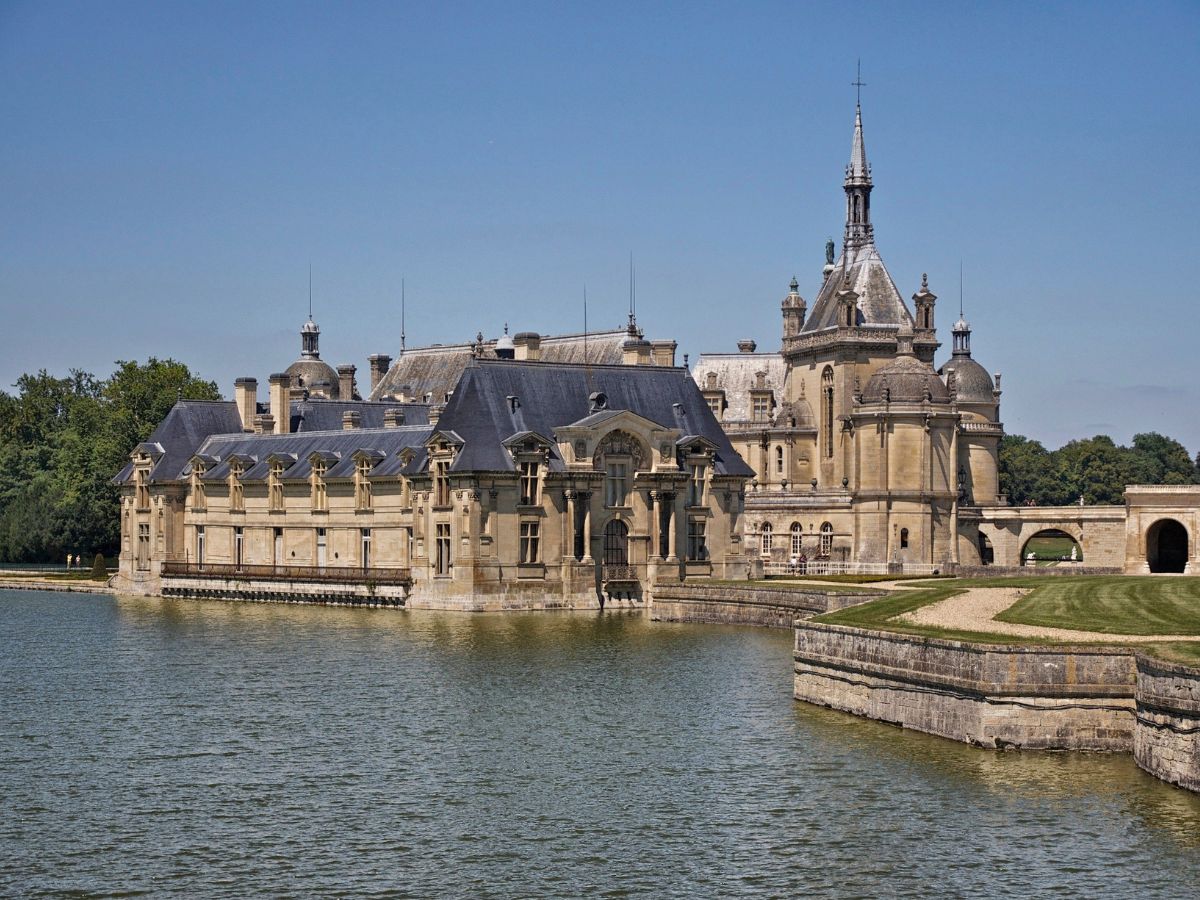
x=794 y=309
x=923 y=302
x=859 y=231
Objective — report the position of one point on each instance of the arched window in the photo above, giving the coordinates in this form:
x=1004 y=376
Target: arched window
x=768 y=537
x=779 y=460
x=827 y=412
x=903 y=538
x=826 y=539
x=797 y=538
x=616 y=543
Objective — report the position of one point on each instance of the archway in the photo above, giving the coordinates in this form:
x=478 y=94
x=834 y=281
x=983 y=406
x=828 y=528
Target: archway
x=987 y=553
x=1167 y=546
x=1051 y=547
x=616 y=543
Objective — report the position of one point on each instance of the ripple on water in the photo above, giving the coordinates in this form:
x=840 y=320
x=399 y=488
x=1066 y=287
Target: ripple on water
x=181 y=748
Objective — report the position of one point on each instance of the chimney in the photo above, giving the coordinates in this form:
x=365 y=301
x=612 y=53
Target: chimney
x=747 y=346
x=393 y=418
x=346 y=382
x=264 y=423
x=435 y=413
x=635 y=352
x=380 y=363
x=280 y=404
x=245 y=394
x=663 y=352
x=528 y=346
x=351 y=419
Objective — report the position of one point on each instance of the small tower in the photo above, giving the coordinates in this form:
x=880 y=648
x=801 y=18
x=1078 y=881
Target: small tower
x=794 y=309
x=859 y=231
x=923 y=301
x=962 y=338
x=310 y=337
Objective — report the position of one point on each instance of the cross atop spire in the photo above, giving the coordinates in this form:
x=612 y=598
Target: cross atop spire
x=858 y=84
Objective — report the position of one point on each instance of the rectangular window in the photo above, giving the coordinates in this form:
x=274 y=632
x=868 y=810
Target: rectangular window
x=143 y=489
x=199 y=500
x=277 y=550
x=530 y=532
x=714 y=403
x=276 y=486
x=696 y=548
x=696 y=486
x=362 y=484
x=237 y=499
x=529 y=484
x=238 y=545
x=760 y=408
x=322 y=548
x=320 y=500
x=200 y=542
x=616 y=487
x=442 y=548
x=365 y=541
x=442 y=483
x=143 y=547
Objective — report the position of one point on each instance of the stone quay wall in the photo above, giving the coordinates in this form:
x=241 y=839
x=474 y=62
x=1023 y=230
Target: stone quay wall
x=727 y=604
x=1045 y=698
x=1166 y=741
x=298 y=591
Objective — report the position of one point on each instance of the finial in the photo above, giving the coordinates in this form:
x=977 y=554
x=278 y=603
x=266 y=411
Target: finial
x=402 y=300
x=310 y=290
x=924 y=281
x=858 y=84
x=795 y=285
x=506 y=328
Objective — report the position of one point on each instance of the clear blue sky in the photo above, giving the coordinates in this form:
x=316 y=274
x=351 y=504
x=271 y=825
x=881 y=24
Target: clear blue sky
x=169 y=171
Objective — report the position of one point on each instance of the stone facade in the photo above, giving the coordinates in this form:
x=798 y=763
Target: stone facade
x=1167 y=738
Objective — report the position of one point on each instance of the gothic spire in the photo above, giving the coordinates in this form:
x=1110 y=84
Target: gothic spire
x=859 y=231
x=858 y=168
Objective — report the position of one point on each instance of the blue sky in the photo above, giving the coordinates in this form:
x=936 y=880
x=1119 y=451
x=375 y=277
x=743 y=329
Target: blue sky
x=168 y=172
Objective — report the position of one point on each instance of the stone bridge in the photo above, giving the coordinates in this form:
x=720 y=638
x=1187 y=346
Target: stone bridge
x=1099 y=531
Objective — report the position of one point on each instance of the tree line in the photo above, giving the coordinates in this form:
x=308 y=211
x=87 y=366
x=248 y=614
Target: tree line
x=62 y=440
x=1096 y=468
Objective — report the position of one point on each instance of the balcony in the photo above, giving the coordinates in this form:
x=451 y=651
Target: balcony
x=326 y=574
x=619 y=575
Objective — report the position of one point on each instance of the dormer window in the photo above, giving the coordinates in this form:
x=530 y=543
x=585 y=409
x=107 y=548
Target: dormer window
x=760 y=406
x=318 y=495
x=696 y=485
x=441 y=482
x=275 y=486
x=530 y=480
x=362 y=484
x=199 y=498
x=142 y=481
x=237 y=496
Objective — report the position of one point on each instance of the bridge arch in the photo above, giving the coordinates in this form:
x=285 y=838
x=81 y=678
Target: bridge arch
x=1050 y=542
x=1167 y=546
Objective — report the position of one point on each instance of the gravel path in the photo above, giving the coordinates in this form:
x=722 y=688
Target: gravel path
x=976 y=609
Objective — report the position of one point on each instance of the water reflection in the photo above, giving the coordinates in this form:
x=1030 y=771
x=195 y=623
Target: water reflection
x=295 y=750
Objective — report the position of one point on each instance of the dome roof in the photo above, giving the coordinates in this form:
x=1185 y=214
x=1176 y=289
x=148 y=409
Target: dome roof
x=310 y=327
x=972 y=383
x=798 y=410
x=905 y=380
x=505 y=342
x=314 y=376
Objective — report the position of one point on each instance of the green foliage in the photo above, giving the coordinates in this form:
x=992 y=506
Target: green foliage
x=99 y=569
x=1095 y=468
x=61 y=442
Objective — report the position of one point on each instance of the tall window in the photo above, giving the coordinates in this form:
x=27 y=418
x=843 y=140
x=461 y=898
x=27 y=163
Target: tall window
x=322 y=548
x=768 y=538
x=200 y=542
x=237 y=496
x=530 y=533
x=239 y=543
x=318 y=495
x=696 y=486
x=827 y=412
x=696 y=548
x=529 y=484
x=616 y=484
x=199 y=499
x=715 y=404
x=362 y=484
x=616 y=543
x=275 y=486
x=441 y=482
x=277 y=549
x=797 y=538
x=364 y=535
x=903 y=538
x=779 y=460
x=143 y=547
x=442 y=549
x=826 y=539
x=143 y=489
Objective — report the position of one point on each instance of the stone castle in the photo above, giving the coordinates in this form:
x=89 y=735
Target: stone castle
x=536 y=471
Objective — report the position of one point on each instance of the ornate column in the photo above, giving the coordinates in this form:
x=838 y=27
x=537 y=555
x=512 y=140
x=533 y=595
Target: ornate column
x=655 y=543
x=671 y=555
x=569 y=549
x=586 y=497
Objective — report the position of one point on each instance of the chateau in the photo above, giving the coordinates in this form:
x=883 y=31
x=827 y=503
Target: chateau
x=536 y=471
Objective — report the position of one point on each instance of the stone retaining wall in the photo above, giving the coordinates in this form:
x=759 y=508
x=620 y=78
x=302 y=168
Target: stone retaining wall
x=748 y=604
x=1047 y=698
x=1166 y=741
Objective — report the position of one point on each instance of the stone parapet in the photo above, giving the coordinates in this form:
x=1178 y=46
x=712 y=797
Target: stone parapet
x=748 y=605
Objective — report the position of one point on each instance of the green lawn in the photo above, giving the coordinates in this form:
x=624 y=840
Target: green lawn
x=1113 y=605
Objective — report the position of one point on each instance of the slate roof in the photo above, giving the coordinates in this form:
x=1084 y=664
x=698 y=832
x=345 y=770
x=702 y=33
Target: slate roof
x=879 y=301
x=736 y=376
x=326 y=415
x=387 y=442
x=183 y=430
x=551 y=396
x=436 y=370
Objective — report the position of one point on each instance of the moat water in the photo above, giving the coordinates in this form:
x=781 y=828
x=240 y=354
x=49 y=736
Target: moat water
x=220 y=749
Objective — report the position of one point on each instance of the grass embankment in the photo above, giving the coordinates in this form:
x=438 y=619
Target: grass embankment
x=774 y=585
x=855 y=579
x=1110 y=605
